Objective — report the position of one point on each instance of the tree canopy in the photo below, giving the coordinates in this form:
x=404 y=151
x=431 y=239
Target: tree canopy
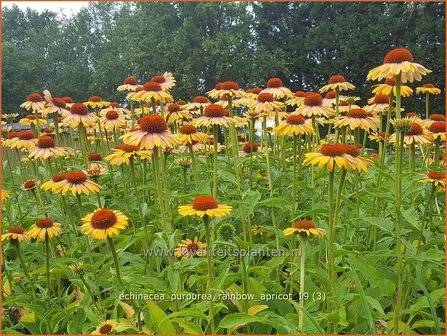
x=203 y=43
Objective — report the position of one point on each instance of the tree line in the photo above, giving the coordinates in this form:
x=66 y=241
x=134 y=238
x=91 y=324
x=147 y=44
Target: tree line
x=203 y=43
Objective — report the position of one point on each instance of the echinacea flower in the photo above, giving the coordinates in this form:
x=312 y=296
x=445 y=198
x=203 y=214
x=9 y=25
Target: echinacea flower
x=33 y=119
x=414 y=135
x=204 y=206
x=96 y=102
x=175 y=112
x=152 y=91
x=16 y=234
x=428 y=88
x=435 y=178
x=277 y=89
x=389 y=86
x=431 y=119
x=5 y=194
x=249 y=148
x=294 y=125
x=112 y=119
x=228 y=88
x=129 y=84
x=214 y=115
x=358 y=162
x=330 y=156
x=122 y=154
x=54 y=105
x=190 y=248
x=189 y=133
x=46 y=148
x=378 y=103
x=337 y=82
x=34 y=102
x=265 y=103
x=166 y=81
x=45 y=226
x=357 y=118
x=106 y=327
x=28 y=185
x=153 y=132
x=24 y=141
x=79 y=114
x=77 y=182
x=199 y=102
x=50 y=184
x=305 y=228
x=297 y=100
x=313 y=106
x=399 y=62
x=9 y=116
x=438 y=130
x=104 y=223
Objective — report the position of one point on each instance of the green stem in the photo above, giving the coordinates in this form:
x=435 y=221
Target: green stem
x=427 y=99
x=47 y=260
x=206 y=223
x=194 y=166
x=294 y=176
x=115 y=260
x=215 y=132
x=301 y=297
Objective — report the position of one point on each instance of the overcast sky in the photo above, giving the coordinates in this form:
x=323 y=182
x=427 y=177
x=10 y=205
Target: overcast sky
x=66 y=7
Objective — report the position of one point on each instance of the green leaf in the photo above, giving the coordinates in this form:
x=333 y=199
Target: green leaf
x=159 y=318
x=236 y=319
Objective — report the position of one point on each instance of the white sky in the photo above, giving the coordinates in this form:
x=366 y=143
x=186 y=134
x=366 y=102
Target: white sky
x=66 y=7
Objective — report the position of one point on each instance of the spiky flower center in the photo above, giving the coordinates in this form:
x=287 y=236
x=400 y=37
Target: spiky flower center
x=398 y=56
x=332 y=150
x=304 y=225
x=313 y=99
x=203 y=203
x=265 y=97
x=153 y=124
x=295 y=119
x=112 y=115
x=103 y=219
x=381 y=99
x=76 y=177
x=336 y=79
x=152 y=86
x=46 y=142
x=34 y=97
x=25 y=135
x=357 y=113
x=274 y=83
x=44 y=223
x=214 y=111
x=130 y=81
x=436 y=175
x=79 y=109
x=229 y=85
x=438 y=127
x=174 y=108
x=416 y=129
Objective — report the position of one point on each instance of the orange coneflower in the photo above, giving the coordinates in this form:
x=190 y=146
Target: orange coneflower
x=28 y=185
x=121 y=154
x=77 y=182
x=297 y=100
x=361 y=164
x=96 y=102
x=438 y=130
x=151 y=91
x=33 y=119
x=428 y=88
x=34 y=102
x=276 y=88
x=12 y=137
x=294 y=125
x=305 y=228
x=414 y=135
x=153 y=132
x=329 y=156
x=399 y=62
x=265 y=103
x=106 y=328
x=313 y=106
x=112 y=119
x=204 y=206
x=25 y=140
x=54 y=105
x=249 y=148
x=214 y=115
x=337 y=82
x=129 y=84
x=175 y=113
x=46 y=148
x=79 y=114
x=435 y=178
x=389 y=86
x=16 y=234
x=431 y=119
x=378 y=103
x=199 y=102
x=50 y=184
x=188 y=134
x=167 y=81
x=190 y=248
x=45 y=226
x=104 y=223
x=357 y=118
x=226 y=88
